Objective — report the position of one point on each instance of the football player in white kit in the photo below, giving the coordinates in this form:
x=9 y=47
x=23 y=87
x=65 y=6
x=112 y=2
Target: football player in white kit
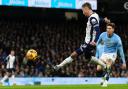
x=10 y=66
x=92 y=35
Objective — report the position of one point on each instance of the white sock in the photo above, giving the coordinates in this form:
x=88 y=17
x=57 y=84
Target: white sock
x=4 y=78
x=66 y=61
x=94 y=59
x=12 y=77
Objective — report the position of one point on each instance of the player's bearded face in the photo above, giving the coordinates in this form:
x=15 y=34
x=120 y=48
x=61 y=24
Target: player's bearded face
x=110 y=30
x=85 y=11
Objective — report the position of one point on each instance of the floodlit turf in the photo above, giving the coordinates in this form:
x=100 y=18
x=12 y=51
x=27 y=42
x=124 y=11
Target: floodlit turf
x=112 y=86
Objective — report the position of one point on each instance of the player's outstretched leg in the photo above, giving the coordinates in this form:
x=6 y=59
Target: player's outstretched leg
x=66 y=61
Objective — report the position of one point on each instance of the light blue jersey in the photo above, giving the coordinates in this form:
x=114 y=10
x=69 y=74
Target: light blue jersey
x=112 y=44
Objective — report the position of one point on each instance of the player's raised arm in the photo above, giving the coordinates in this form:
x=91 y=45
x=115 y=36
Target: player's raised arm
x=105 y=20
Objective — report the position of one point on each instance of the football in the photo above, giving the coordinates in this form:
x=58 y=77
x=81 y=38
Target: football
x=31 y=54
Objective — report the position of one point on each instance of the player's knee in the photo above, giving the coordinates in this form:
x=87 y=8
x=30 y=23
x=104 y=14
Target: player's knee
x=109 y=62
x=99 y=68
x=74 y=55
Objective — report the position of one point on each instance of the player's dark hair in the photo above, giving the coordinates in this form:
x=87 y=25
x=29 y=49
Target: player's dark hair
x=87 y=5
x=112 y=25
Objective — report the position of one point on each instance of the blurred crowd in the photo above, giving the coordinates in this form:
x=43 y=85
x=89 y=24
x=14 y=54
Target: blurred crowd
x=54 y=41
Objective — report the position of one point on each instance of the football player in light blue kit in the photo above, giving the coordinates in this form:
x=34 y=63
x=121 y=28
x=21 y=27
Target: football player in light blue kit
x=112 y=45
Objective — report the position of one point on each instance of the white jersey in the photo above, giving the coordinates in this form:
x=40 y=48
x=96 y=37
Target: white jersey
x=93 y=21
x=10 y=61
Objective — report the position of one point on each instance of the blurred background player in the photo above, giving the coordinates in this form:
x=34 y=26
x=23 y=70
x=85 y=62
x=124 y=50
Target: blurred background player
x=92 y=35
x=10 y=66
x=112 y=45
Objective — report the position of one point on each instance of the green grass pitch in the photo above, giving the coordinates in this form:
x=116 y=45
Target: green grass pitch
x=111 y=86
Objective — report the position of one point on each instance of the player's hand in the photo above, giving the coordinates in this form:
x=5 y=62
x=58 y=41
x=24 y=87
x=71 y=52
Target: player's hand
x=93 y=43
x=107 y=20
x=123 y=66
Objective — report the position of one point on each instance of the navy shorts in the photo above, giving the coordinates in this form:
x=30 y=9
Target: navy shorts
x=87 y=49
